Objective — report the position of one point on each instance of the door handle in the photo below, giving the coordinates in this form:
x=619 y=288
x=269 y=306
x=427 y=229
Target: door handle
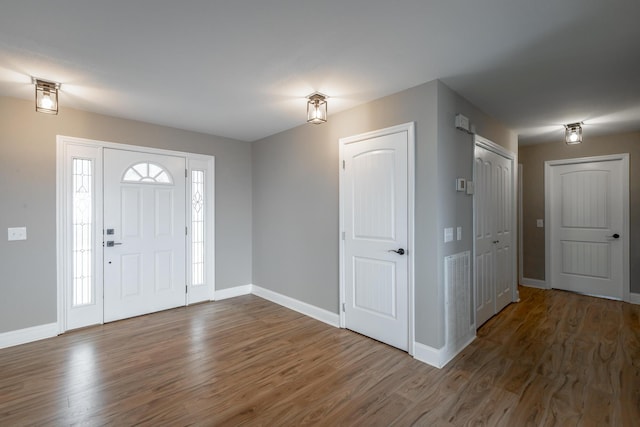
x=399 y=251
x=615 y=236
x=111 y=243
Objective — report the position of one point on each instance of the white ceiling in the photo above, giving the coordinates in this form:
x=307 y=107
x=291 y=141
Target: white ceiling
x=242 y=68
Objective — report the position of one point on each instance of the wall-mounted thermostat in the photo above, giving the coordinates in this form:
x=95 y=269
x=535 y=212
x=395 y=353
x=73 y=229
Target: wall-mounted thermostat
x=461 y=184
x=462 y=122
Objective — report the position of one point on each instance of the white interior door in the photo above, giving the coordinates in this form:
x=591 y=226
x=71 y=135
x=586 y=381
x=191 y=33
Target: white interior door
x=375 y=209
x=493 y=233
x=586 y=236
x=144 y=218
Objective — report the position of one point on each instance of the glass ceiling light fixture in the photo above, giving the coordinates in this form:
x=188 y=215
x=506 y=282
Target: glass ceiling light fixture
x=46 y=96
x=573 y=133
x=317 y=108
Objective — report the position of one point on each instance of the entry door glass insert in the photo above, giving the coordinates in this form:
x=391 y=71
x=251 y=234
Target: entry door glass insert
x=145 y=233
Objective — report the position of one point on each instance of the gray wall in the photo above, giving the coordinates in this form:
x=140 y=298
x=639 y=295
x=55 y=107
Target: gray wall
x=27 y=197
x=455 y=160
x=295 y=197
x=533 y=157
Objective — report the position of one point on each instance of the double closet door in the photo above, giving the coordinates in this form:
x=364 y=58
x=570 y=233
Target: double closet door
x=494 y=228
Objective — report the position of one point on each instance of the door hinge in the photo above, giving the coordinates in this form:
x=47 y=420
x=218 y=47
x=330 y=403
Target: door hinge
x=344 y=307
x=344 y=235
x=186 y=232
x=186 y=173
x=343 y=164
x=186 y=289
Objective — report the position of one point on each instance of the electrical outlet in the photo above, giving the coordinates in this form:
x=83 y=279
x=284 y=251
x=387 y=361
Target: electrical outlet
x=17 y=233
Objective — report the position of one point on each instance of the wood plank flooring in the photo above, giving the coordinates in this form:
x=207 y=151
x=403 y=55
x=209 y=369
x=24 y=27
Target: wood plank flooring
x=553 y=359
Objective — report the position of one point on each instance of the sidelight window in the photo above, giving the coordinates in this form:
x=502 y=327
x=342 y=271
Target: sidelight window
x=197 y=227
x=82 y=245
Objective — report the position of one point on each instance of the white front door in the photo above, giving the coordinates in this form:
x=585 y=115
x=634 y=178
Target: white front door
x=586 y=227
x=375 y=221
x=493 y=233
x=144 y=223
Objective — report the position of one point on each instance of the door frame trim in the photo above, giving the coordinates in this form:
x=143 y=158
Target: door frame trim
x=624 y=157
x=411 y=141
x=62 y=212
x=480 y=141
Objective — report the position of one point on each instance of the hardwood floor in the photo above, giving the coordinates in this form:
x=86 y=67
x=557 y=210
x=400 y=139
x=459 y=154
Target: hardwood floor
x=553 y=359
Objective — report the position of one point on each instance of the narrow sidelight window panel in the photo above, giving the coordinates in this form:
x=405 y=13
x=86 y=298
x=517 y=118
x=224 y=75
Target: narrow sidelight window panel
x=82 y=232
x=197 y=228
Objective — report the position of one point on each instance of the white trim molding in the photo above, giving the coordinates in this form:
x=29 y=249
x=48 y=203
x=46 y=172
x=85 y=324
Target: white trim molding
x=27 y=335
x=534 y=283
x=317 y=313
x=232 y=292
x=429 y=355
x=312 y=311
x=438 y=357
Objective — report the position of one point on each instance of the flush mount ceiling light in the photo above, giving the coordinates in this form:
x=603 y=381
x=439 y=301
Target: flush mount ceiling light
x=46 y=96
x=573 y=133
x=317 y=108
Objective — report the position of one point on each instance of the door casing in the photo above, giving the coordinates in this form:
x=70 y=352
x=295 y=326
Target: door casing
x=410 y=129
x=624 y=158
x=65 y=144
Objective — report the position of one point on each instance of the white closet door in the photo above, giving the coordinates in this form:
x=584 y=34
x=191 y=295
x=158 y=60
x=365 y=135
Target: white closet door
x=493 y=233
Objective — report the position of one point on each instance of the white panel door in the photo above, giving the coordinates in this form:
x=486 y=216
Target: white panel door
x=493 y=233
x=586 y=228
x=376 y=236
x=144 y=218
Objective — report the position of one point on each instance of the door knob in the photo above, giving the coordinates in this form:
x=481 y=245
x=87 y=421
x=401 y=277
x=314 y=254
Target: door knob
x=399 y=251
x=111 y=243
x=615 y=236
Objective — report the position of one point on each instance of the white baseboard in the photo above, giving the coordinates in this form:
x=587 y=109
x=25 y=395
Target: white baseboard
x=634 y=298
x=451 y=352
x=426 y=354
x=438 y=357
x=317 y=313
x=232 y=292
x=534 y=283
x=23 y=336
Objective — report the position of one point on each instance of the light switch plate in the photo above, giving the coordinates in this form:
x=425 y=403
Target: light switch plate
x=448 y=234
x=540 y=223
x=470 y=187
x=17 y=233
